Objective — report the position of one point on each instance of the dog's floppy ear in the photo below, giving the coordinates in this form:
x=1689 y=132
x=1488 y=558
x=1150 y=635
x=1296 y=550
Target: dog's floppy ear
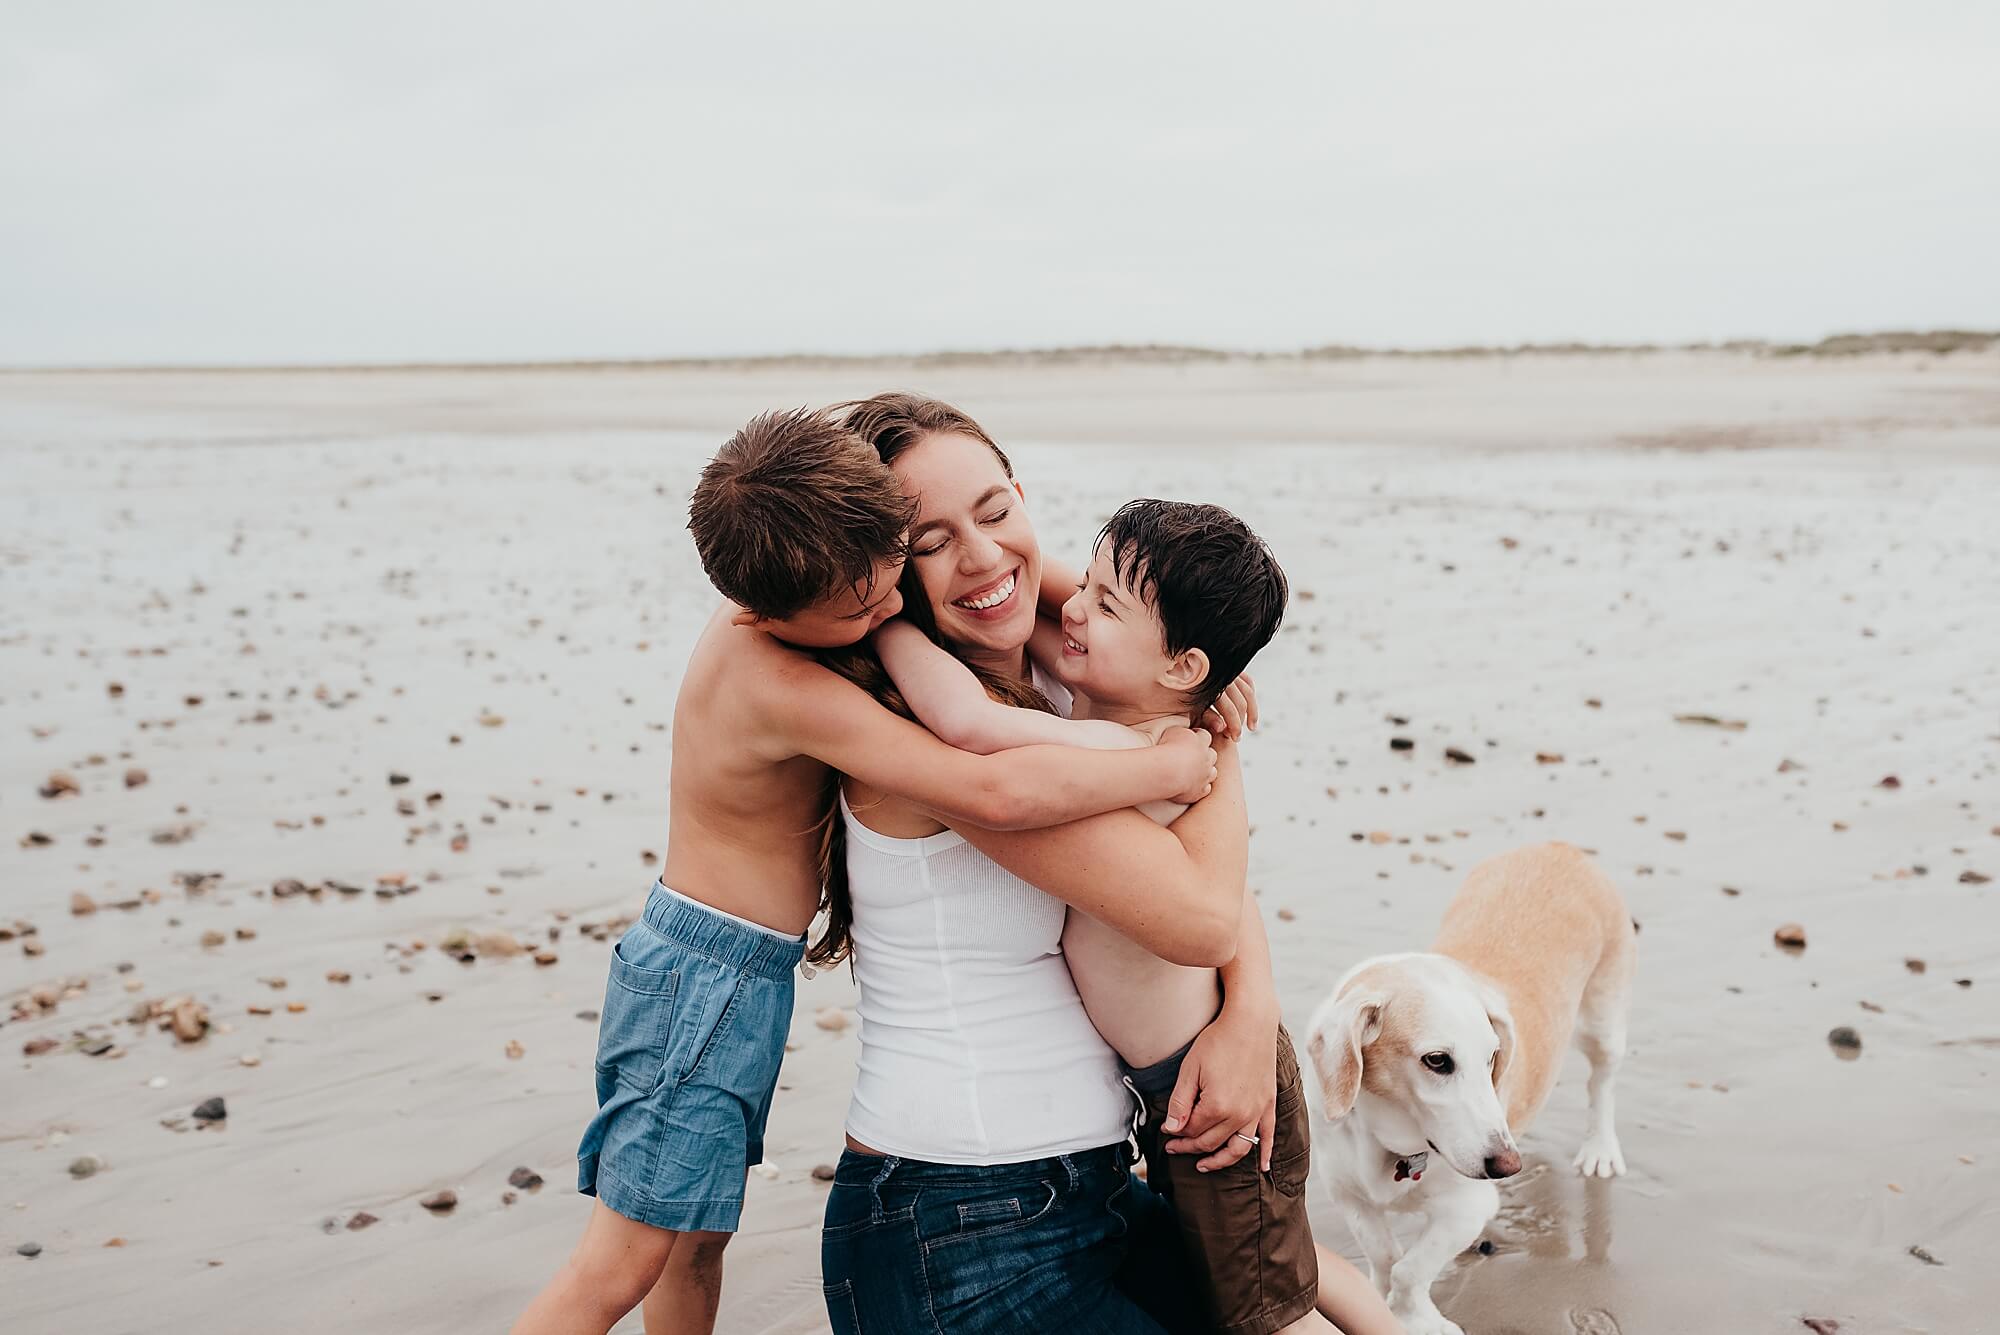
x=1342 y=1028
x=1502 y=1020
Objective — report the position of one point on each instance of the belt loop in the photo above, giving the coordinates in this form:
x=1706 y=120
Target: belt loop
x=889 y=1164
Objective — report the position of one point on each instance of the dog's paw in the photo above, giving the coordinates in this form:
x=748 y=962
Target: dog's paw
x=1600 y=1157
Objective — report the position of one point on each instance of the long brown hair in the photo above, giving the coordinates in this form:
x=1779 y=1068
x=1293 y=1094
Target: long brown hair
x=893 y=423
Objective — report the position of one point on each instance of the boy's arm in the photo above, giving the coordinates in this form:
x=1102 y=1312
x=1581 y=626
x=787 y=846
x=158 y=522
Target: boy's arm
x=949 y=700
x=808 y=710
x=1229 y=1079
x=1177 y=890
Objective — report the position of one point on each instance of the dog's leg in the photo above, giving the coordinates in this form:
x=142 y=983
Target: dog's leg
x=1600 y=1033
x=1371 y=1229
x=1457 y=1214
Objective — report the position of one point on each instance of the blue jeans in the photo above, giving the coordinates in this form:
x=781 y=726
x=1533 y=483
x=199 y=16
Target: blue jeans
x=1072 y=1243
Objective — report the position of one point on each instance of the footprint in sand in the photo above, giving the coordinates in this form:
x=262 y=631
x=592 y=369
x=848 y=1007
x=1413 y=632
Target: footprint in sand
x=1594 y=1321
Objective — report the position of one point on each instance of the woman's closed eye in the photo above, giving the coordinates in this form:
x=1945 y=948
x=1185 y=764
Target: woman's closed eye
x=997 y=516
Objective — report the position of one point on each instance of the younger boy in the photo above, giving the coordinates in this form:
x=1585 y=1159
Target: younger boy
x=1177 y=600
x=801 y=528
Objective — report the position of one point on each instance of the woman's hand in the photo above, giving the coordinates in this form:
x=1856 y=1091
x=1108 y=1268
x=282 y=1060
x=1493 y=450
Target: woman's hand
x=1235 y=712
x=1227 y=1093
x=1199 y=766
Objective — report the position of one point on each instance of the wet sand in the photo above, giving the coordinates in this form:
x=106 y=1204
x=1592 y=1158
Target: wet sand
x=277 y=592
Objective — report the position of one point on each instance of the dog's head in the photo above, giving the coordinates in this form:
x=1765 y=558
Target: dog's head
x=1420 y=1044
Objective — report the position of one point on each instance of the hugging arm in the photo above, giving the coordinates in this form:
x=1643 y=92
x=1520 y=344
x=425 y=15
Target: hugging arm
x=949 y=700
x=1177 y=890
x=813 y=712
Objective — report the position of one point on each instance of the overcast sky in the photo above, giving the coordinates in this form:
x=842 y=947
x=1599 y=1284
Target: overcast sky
x=255 y=182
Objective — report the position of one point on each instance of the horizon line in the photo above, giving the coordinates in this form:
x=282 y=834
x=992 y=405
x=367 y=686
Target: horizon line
x=1939 y=341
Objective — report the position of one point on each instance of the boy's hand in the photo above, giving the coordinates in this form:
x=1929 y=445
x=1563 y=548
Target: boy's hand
x=1191 y=747
x=1227 y=1093
x=1235 y=713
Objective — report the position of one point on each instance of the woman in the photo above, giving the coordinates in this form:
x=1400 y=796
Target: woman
x=985 y=1186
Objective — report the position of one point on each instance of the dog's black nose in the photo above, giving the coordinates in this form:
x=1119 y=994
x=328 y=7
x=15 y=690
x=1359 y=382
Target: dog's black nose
x=1504 y=1164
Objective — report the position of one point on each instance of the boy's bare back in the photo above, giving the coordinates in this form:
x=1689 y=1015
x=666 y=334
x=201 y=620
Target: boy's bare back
x=743 y=833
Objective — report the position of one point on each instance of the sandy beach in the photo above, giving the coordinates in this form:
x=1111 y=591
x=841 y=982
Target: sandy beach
x=410 y=639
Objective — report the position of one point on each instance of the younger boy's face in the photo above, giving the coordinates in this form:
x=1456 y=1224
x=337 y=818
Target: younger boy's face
x=1114 y=648
x=844 y=619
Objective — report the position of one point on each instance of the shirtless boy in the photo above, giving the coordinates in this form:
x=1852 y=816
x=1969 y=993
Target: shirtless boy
x=1177 y=600
x=801 y=528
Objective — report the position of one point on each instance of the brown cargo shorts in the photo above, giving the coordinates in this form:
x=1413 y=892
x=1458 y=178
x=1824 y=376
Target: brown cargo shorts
x=1245 y=1228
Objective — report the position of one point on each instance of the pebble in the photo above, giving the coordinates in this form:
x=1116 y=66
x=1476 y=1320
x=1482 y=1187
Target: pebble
x=527 y=1179
x=545 y=956
x=250 y=1059
x=362 y=1219
x=35 y=1047
x=767 y=1171
x=81 y=905
x=822 y=1172
x=211 y=1110
x=29 y=1249
x=136 y=777
x=832 y=1019
x=1792 y=936
x=444 y=1202
x=1844 y=1041
x=1915 y=965
x=514 y=1050
x=97 y=1047
x=1923 y=1254
x=88 y=1165
x=189 y=1020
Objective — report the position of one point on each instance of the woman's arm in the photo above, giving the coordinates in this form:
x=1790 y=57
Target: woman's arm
x=1177 y=891
x=949 y=700
x=811 y=711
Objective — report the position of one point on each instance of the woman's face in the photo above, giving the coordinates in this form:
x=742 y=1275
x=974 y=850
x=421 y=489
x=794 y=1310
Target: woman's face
x=972 y=544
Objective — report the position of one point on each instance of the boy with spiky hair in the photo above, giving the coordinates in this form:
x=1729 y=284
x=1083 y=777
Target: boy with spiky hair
x=1175 y=603
x=801 y=527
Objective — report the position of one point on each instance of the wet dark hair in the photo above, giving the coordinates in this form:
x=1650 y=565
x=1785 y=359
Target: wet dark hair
x=796 y=508
x=1212 y=583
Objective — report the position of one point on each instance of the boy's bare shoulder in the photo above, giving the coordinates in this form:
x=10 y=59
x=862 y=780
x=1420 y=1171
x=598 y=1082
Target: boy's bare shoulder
x=752 y=668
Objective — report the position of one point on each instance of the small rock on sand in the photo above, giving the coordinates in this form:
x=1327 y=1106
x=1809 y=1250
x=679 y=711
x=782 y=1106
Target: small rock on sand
x=823 y=1172
x=35 y=1047
x=136 y=777
x=81 y=904
x=444 y=1202
x=1915 y=965
x=189 y=1020
x=514 y=1050
x=211 y=1110
x=362 y=1219
x=88 y=1165
x=1820 y=1325
x=1792 y=936
x=1844 y=1041
x=60 y=785
x=527 y=1179
x=1923 y=1254
x=831 y=1018
x=29 y=1249
x=545 y=956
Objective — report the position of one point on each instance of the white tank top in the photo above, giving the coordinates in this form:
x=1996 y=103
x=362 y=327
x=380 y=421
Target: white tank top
x=975 y=1048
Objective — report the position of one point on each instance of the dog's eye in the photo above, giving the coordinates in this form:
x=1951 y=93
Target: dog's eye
x=1438 y=1061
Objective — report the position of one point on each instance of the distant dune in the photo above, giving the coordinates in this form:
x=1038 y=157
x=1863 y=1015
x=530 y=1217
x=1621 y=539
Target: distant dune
x=1935 y=341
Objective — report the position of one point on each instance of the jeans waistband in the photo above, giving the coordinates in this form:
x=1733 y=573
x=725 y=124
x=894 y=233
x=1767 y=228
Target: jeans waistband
x=860 y=1170
x=722 y=938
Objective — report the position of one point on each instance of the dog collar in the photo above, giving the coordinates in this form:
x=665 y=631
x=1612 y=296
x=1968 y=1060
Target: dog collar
x=1412 y=1166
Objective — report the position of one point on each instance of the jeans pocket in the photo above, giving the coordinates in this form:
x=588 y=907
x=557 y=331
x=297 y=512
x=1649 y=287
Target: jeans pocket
x=636 y=1026
x=841 y=1312
x=701 y=1022
x=946 y=1216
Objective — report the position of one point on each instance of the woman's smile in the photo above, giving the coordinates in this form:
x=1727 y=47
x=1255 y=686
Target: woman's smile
x=992 y=600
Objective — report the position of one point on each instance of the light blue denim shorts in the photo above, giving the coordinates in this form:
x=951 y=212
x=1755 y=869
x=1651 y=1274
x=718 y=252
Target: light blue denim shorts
x=688 y=1047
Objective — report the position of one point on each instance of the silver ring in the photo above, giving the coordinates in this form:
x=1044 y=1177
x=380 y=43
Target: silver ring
x=1252 y=1139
